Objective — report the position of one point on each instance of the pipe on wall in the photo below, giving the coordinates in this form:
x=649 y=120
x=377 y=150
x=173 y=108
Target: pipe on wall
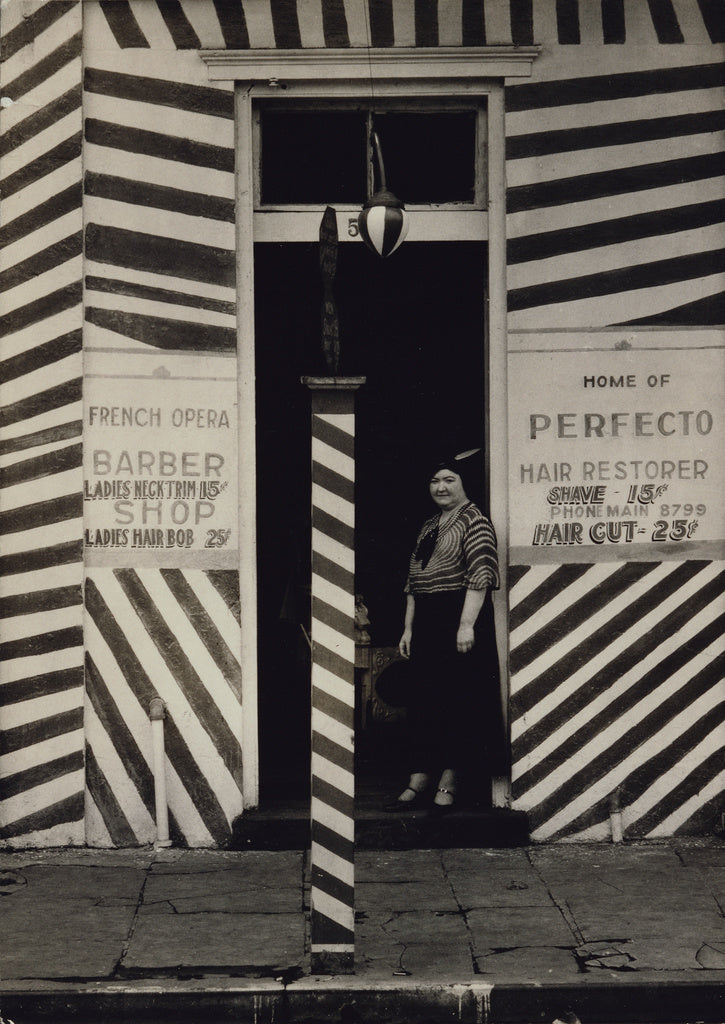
x=157 y=713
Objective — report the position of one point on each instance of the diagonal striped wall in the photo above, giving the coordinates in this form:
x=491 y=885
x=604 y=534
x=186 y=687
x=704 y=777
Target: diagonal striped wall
x=617 y=683
x=41 y=570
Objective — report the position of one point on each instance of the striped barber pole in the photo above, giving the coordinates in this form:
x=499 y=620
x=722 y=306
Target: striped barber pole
x=333 y=667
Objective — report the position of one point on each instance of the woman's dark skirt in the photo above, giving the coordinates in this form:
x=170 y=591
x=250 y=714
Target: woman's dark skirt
x=454 y=711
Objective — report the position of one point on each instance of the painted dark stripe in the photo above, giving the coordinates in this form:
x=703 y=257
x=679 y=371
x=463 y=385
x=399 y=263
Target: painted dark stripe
x=333 y=752
x=66 y=151
x=517 y=573
x=42 y=355
x=42 y=308
x=522 y=22
x=426 y=22
x=341 y=440
x=165 y=334
x=205 y=627
x=332 y=886
x=157 y=255
x=334 y=24
x=619 y=708
x=43 y=401
x=567 y=22
x=41 y=513
x=182 y=32
x=333 y=528
x=108 y=806
x=712 y=15
x=653 y=274
x=332 y=841
x=332 y=617
x=330 y=933
x=610 y=590
x=607 y=184
x=43 y=69
x=331 y=706
x=622 y=133
x=709 y=311
x=331 y=661
x=30 y=733
x=625 y=86
x=226 y=583
x=333 y=797
x=32 y=25
x=630 y=740
x=67 y=201
x=196 y=99
x=332 y=572
x=382 y=31
x=192 y=778
x=705 y=820
x=45 y=685
x=614 y=232
x=50 y=435
x=181 y=669
x=61 y=813
x=473 y=23
x=39 y=775
x=285 y=24
x=233 y=24
x=552 y=587
x=124 y=742
x=115 y=286
x=159 y=197
x=156 y=144
x=40 y=601
x=44 y=118
x=42 y=558
x=613 y=26
x=43 y=643
x=601 y=638
x=41 y=262
x=331 y=481
x=122 y=23
x=665 y=21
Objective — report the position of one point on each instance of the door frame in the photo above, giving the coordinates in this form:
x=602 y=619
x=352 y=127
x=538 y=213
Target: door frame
x=369 y=74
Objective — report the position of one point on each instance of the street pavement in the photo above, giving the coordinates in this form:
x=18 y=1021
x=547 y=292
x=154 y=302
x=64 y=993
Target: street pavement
x=626 y=932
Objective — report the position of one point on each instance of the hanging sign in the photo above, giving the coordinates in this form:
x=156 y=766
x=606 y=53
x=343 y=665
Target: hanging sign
x=328 y=269
x=160 y=462
x=616 y=447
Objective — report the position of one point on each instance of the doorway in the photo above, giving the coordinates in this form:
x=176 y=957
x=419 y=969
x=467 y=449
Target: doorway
x=414 y=326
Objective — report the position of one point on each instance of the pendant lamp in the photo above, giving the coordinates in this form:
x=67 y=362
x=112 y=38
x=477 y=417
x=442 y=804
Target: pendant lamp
x=383 y=222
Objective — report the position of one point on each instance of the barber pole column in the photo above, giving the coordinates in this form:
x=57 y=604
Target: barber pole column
x=333 y=674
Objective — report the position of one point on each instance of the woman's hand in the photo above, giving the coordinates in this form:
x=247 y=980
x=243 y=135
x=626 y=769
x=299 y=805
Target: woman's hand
x=465 y=638
x=405 y=643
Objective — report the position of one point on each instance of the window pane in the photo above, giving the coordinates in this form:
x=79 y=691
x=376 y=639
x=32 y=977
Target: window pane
x=313 y=157
x=429 y=158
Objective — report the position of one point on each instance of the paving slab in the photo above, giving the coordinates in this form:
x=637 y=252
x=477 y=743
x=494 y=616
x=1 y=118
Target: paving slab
x=420 y=944
x=518 y=926
x=532 y=963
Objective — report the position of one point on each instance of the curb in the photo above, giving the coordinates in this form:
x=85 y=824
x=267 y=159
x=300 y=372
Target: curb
x=620 y=1000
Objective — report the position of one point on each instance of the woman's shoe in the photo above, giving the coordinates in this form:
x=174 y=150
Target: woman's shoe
x=414 y=804
x=439 y=810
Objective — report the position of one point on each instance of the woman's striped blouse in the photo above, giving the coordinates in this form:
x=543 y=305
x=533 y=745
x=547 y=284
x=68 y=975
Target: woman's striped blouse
x=464 y=555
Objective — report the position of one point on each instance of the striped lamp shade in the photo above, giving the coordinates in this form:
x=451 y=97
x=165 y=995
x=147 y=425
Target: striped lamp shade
x=383 y=223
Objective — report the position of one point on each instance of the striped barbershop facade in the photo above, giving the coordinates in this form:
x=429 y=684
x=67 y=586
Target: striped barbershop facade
x=559 y=294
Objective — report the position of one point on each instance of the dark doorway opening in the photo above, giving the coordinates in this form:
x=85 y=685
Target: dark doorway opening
x=413 y=325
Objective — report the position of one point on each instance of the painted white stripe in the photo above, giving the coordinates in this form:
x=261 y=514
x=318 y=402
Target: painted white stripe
x=331 y=458
x=13 y=458
x=337 y=553
x=222 y=615
x=41 y=623
x=53 y=327
x=184 y=287
x=333 y=774
x=338 y=643
x=205 y=23
x=184 y=810
x=149 y=221
x=22 y=495
x=328 y=682
x=671 y=824
x=334 y=596
x=176 y=123
x=450 y=22
x=167 y=310
x=310 y=21
x=340 y=913
x=332 y=947
x=357 y=23
x=404 y=22
x=64 y=274
x=259 y=24
x=333 y=505
x=43 y=44
x=45 y=377
x=14 y=669
x=564 y=601
x=337 y=866
x=28 y=711
x=331 y=729
x=41 y=753
x=579 y=721
x=41 y=239
x=498 y=22
x=158 y=171
x=70 y=575
x=44 y=93
x=39 y=145
x=332 y=819
x=30 y=801
x=344 y=421
x=43 y=536
x=96 y=833
x=153 y=27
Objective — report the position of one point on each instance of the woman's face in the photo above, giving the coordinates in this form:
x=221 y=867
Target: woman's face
x=446 y=490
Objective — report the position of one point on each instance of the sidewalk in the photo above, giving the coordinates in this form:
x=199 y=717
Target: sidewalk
x=633 y=932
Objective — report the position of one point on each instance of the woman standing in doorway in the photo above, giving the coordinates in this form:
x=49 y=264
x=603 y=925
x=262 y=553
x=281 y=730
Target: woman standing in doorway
x=454 y=715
